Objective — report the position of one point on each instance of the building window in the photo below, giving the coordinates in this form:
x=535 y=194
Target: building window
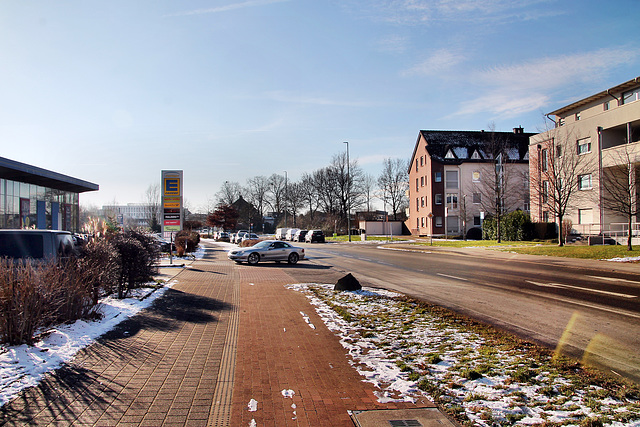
x=416 y=165
x=438 y=177
x=452 y=201
x=451 y=179
x=422 y=202
x=631 y=96
x=438 y=221
x=584 y=146
x=475 y=176
x=585 y=216
x=422 y=181
x=545 y=216
x=476 y=220
x=422 y=221
x=584 y=182
x=417 y=204
x=438 y=199
x=558 y=151
x=561 y=121
x=577 y=116
x=421 y=160
x=477 y=198
x=605 y=106
x=545 y=191
x=417 y=186
x=475 y=155
x=545 y=160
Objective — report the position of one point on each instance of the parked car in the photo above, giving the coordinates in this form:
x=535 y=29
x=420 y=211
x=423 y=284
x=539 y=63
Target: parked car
x=281 y=233
x=290 y=234
x=299 y=236
x=164 y=244
x=250 y=236
x=314 y=236
x=239 y=236
x=38 y=245
x=222 y=236
x=267 y=250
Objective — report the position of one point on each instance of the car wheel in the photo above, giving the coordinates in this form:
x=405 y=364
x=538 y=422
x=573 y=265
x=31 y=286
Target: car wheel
x=293 y=258
x=253 y=258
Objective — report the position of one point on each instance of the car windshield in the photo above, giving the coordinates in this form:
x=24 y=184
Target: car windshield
x=263 y=244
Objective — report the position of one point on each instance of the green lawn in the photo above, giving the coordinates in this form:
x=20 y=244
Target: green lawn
x=585 y=252
x=474 y=243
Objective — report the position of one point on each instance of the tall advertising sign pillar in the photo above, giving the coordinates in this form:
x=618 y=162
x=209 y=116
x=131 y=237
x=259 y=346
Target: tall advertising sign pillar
x=172 y=212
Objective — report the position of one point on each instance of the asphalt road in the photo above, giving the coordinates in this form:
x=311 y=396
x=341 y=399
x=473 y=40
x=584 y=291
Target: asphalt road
x=587 y=309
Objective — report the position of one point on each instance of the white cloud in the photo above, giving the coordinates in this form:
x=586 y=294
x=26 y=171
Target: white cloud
x=530 y=86
x=481 y=11
x=439 y=62
x=226 y=8
x=285 y=97
x=392 y=44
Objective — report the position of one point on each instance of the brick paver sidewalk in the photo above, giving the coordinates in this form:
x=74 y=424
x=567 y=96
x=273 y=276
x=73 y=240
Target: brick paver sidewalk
x=173 y=364
x=279 y=352
x=157 y=368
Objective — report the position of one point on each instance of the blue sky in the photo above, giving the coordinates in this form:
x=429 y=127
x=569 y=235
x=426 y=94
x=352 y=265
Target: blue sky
x=113 y=92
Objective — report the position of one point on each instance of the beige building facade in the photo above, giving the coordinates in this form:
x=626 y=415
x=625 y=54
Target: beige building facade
x=592 y=146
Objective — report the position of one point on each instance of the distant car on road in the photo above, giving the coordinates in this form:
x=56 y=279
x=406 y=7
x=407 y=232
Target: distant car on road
x=267 y=250
x=314 y=236
x=299 y=236
x=250 y=236
x=222 y=236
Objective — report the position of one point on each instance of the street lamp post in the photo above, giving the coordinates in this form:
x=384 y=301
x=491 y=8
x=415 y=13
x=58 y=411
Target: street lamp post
x=348 y=194
x=285 y=199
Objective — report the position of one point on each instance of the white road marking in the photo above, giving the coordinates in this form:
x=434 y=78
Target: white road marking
x=614 y=279
x=560 y=285
x=452 y=277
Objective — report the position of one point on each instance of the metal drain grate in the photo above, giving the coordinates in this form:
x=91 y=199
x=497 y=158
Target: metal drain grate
x=405 y=423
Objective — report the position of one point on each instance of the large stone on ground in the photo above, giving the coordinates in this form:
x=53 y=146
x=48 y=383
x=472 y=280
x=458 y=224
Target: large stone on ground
x=348 y=283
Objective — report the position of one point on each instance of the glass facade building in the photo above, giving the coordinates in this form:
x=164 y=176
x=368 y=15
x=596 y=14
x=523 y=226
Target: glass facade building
x=31 y=197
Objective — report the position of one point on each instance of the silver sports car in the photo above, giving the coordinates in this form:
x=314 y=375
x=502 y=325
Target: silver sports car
x=267 y=250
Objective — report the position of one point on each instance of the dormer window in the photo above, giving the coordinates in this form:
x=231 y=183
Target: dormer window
x=449 y=155
x=475 y=155
x=577 y=116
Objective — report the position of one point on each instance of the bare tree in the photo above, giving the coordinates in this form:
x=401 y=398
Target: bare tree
x=152 y=206
x=621 y=190
x=309 y=195
x=347 y=180
x=368 y=190
x=500 y=186
x=257 y=191
x=295 y=200
x=393 y=182
x=324 y=183
x=561 y=172
x=229 y=193
x=276 y=195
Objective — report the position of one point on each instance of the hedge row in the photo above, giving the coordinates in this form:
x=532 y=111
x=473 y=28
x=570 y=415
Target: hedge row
x=36 y=296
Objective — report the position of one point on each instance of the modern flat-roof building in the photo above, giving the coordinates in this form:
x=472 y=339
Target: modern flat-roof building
x=453 y=182
x=589 y=159
x=32 y=197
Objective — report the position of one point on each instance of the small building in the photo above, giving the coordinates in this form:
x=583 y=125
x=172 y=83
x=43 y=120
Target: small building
x=32 y=197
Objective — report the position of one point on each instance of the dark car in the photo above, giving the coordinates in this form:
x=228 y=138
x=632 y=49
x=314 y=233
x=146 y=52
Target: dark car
x=38 y=245
x=314 y=236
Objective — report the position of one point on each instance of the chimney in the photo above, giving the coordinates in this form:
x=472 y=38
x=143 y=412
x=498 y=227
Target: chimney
x=518 y=130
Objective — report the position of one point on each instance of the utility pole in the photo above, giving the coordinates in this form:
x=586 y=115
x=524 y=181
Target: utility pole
x=348 y=194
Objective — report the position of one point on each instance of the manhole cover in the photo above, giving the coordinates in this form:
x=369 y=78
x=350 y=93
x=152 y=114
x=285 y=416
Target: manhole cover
x=418 y=417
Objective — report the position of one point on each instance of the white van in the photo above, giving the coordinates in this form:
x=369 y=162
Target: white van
x=291 y=233
x=281 y=233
